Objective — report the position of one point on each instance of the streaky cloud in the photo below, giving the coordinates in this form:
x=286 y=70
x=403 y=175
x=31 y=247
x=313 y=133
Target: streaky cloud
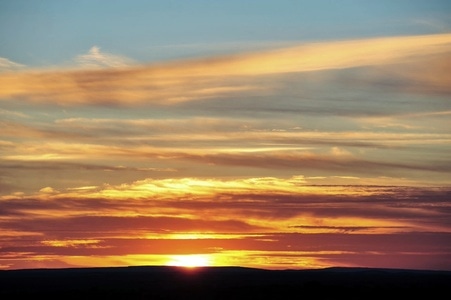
x=182 y=81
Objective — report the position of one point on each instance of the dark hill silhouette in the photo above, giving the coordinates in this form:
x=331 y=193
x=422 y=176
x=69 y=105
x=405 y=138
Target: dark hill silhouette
x=155 y=282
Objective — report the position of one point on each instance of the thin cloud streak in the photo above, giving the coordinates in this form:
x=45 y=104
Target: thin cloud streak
x=271 y=158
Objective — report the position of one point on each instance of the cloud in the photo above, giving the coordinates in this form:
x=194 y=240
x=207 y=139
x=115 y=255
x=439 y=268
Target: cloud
x=12 y=114
x=98 y=59
x=303 y=160
x=8 y=65
x=343 y=229
x=426 y=74
x=48 y=190
x=104 y=226
x=182 y=81
x=290 y=151
x=59 y=166
x=286 y=201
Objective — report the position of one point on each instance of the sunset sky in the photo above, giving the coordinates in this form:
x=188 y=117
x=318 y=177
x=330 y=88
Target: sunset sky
x=261 y=133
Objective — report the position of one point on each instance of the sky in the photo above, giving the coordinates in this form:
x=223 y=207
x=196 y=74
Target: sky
x=271 y=134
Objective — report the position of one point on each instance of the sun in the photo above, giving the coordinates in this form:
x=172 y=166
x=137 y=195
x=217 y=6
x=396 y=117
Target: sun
x=189 y=260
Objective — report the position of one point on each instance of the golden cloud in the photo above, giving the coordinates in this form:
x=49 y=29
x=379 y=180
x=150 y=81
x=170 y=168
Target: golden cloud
x=181 y=81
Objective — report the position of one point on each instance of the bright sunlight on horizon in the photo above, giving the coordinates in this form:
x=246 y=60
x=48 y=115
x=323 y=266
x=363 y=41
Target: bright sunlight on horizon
x=189 y=261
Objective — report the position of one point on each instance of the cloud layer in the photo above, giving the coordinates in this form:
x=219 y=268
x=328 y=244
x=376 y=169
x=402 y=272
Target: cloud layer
x=217 y=217
x=322 y=154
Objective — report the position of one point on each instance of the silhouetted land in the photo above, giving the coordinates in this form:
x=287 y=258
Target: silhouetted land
x=220 y=283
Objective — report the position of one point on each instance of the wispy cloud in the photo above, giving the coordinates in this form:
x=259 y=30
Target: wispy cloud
x=182 y=81
x=9 y=65
x=95 y=58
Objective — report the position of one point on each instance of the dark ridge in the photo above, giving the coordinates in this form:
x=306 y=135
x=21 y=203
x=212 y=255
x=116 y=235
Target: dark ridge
x=158 y=282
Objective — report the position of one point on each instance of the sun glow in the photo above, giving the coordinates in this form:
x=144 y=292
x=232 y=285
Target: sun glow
x=189 y=261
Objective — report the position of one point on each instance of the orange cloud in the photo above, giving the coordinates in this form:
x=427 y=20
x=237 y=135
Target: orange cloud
x=266 y=221
x=182 y=81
